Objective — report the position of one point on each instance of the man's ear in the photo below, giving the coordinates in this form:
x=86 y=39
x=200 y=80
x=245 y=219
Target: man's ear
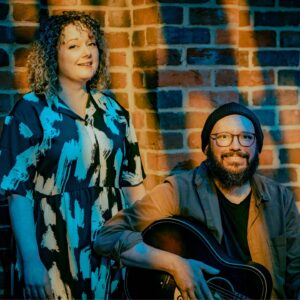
x=205 y=150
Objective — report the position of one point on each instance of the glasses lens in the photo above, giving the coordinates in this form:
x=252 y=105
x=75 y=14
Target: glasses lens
x=246 y=139
x=224 y=139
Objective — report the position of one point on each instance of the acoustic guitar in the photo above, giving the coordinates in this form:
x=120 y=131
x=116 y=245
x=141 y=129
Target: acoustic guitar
x=190 y=239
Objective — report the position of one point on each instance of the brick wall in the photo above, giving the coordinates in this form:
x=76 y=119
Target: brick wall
x=171 y=63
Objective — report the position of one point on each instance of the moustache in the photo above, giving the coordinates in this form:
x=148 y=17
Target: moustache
x=232 y=153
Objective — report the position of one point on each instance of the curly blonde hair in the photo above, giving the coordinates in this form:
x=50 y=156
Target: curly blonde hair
x=42 y=61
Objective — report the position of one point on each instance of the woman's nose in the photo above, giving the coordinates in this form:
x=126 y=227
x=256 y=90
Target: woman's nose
x=87 y=50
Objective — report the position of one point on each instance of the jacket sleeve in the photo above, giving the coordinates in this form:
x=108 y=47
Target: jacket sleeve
x=293 y=246
x=123 y=231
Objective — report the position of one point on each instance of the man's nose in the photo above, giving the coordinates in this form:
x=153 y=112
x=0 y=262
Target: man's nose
x=235 y=142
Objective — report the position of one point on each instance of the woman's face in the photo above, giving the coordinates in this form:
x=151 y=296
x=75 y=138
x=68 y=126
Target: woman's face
x=78 y=55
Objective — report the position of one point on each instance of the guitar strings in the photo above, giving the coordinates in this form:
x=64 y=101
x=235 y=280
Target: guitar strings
x=226 y=293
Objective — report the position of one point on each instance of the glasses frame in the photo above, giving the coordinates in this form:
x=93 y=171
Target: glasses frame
x=214 y=137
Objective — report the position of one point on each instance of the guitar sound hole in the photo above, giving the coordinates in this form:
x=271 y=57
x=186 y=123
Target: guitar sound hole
x=222 y=289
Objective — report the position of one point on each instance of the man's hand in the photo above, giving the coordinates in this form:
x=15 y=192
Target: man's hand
x=36 y=280
x=188 y=275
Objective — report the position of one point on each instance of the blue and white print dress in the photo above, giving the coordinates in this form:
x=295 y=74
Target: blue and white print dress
x=73 y=169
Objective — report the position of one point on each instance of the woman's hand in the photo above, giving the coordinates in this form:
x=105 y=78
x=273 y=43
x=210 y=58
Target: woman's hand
x=36 y=280
x=189 y=278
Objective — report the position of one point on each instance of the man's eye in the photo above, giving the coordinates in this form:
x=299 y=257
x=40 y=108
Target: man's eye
x=223 y=136
x=247 y=136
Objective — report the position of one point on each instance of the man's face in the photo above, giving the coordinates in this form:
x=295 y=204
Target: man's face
x=233 y=159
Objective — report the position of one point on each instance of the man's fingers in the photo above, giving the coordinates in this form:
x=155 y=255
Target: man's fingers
x=205 y=290
x=184 y=295
x=208 y=269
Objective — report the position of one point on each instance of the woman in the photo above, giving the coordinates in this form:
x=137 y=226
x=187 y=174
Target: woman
x=69 y=157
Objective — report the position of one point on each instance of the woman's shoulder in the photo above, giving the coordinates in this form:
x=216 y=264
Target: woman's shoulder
x=28 y=107
x=29 y=102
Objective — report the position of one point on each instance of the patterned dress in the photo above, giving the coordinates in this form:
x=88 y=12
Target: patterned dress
x=73 y=170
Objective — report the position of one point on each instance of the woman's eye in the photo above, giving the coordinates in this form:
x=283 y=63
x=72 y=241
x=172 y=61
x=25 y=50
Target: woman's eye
x=92 y=44
x=72 y=46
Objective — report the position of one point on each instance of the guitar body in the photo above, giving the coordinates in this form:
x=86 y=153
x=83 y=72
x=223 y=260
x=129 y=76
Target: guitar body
x=190 y=239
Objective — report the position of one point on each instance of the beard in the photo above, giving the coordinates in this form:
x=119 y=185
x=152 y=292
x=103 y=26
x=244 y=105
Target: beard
x=229 y=179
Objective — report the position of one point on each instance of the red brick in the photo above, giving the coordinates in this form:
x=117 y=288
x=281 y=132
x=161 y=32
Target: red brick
x=184 y=78
x=282 y=137
x=243 y=58
x=244 y=18
x=195 y=119
x=293 y=156
x=211 y=99
x=119 y=18
x=296 y=191
x=118 y=80
x=266 y=157
x=25 y=34
x=194 y=140
x=232 y=15
x=138 y=119
x=110 y=3
x=20 y=57
x=138 y=38
x=117 y=40
x=145 y=58
x=122 y=98
x=62 y=2
x=289 y=117
x=145 y=100
x=117 y=59
x=146 y=16
x=258 y=38
x=20 y=80
x=256 y=78
x=99 y=16
x=25 y=12
x=281 y=97
x=226 y=78
x=226 y=37
x=152 y=121
x=154 y=36
x=145 y=79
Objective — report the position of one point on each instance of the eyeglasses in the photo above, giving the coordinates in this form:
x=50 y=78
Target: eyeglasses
x=225 y=139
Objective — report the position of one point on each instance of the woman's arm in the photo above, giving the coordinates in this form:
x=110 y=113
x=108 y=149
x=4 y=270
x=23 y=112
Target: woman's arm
x=36 y=279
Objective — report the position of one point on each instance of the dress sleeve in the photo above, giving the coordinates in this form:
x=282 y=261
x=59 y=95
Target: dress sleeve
x=18 y=156
x=132 y=168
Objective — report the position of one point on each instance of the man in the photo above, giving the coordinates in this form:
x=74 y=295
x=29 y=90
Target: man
x=253 y=217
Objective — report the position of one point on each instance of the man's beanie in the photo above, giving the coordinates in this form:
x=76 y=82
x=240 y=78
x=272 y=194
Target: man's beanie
x=227 y=109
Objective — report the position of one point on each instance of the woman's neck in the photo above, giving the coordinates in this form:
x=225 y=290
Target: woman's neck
x=76 y=98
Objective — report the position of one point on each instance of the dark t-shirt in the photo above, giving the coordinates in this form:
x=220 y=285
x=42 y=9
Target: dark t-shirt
x=234 y=221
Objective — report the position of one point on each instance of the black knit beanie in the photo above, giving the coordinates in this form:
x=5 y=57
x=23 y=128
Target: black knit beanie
x=227 y=109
